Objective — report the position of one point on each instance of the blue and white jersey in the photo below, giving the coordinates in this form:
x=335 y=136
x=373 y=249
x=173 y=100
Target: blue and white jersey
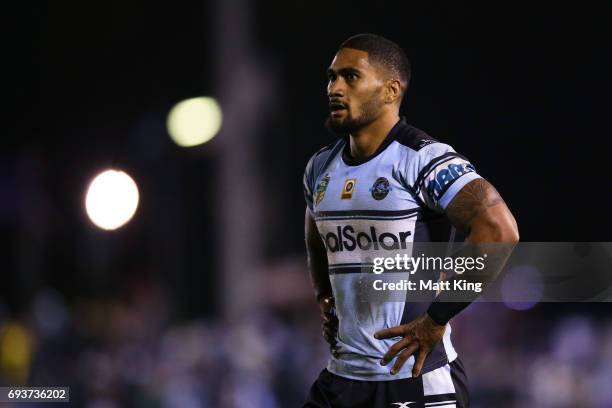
x=373 y=207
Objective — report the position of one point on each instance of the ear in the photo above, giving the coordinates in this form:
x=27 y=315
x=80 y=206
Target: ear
x=393 y=90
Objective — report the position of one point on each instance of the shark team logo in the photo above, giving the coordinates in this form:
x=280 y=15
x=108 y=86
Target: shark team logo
x=321 y=188
x=380 y=189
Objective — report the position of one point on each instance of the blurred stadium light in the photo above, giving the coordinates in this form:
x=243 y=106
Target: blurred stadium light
x=15 y=352
x=112 y=199
x=194 y=121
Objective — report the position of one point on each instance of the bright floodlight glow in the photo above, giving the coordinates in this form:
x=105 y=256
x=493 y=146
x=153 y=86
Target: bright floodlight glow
x=111 y=200
x=194 y=121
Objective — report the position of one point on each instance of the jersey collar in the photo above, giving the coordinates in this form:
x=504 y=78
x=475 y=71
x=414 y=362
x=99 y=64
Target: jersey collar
x=393 y=133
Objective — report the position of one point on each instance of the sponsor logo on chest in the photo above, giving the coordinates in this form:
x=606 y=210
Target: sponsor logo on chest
x=349 y=238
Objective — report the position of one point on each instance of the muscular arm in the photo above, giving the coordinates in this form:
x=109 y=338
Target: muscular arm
x=317 y=258
x=480 y=212
x=319 y=276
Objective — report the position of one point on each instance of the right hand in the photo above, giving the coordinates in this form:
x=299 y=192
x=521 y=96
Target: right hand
x=330 y=320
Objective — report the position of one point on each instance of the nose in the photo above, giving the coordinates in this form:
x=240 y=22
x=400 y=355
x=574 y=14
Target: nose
x=335 y=89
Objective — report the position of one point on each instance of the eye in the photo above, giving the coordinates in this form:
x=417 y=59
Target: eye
x=351 y=76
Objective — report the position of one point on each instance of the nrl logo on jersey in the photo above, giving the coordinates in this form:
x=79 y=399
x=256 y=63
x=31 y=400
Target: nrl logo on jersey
x=321 y=188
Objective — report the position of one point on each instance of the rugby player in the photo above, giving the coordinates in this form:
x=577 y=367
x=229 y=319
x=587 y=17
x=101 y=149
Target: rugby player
x=381 y=183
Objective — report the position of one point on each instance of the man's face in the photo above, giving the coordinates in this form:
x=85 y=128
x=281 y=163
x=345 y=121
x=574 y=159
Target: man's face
x=355 y=91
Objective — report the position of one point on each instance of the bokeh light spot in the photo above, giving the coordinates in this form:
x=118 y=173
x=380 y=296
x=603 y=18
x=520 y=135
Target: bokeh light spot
x=111 y=200
x=194 y=121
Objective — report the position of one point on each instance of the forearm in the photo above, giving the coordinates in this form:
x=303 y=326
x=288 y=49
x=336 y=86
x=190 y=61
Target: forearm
x=319 y=275
x=492 y=234
x=451 y=302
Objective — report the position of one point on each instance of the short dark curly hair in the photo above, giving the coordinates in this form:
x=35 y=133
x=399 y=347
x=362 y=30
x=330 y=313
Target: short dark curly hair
x=383 y=52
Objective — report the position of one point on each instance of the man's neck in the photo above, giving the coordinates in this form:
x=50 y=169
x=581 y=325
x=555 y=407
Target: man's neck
x=368 y=139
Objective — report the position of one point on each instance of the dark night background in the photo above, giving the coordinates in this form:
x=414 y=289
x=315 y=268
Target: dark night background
x=521 y=89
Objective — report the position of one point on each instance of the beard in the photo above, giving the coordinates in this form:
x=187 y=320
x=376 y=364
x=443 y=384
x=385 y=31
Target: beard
x=349 y=124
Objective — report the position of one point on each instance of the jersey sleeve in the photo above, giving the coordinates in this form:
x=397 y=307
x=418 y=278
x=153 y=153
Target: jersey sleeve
x=315 y=168
x=437 y=173
x=308 y=183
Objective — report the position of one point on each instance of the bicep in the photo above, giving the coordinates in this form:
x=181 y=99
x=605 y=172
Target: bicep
x=479 y=210
x=317 y=257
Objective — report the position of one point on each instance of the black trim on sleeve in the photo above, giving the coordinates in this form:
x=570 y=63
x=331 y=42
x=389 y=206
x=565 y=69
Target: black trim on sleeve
x=425 y=171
